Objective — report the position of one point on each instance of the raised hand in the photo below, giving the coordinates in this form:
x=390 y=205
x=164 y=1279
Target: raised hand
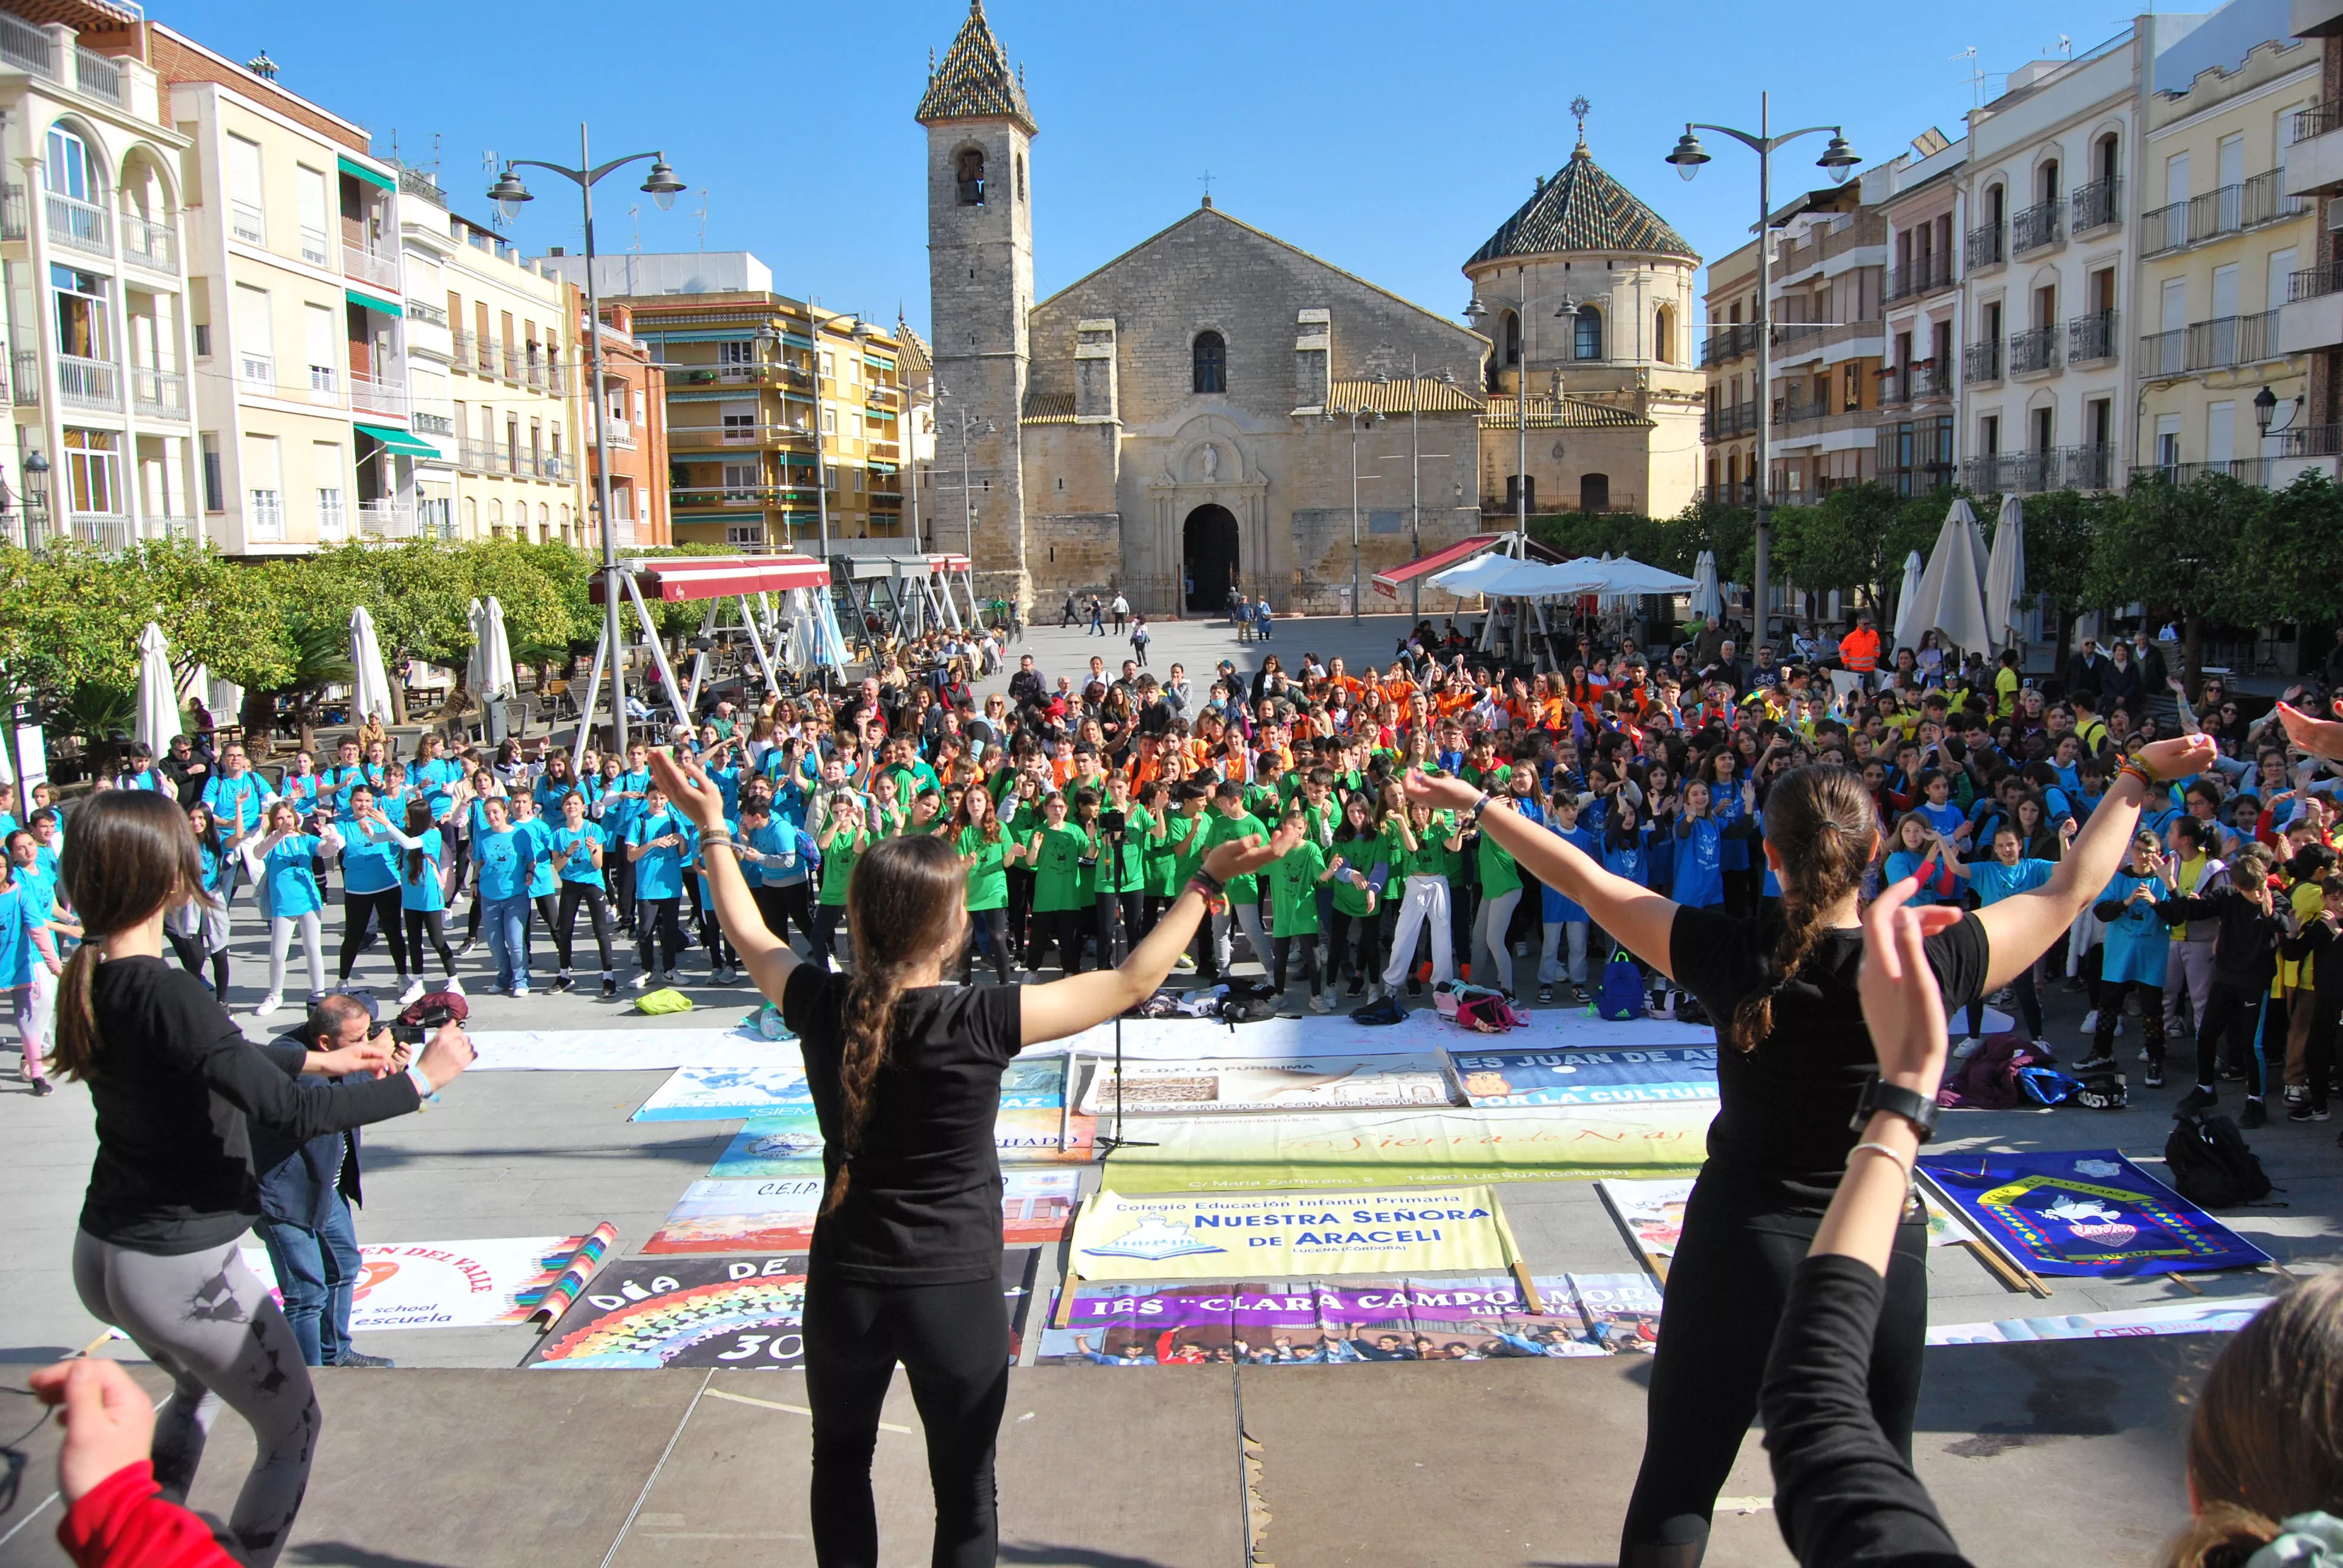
x=689 y=788
x=1242 y=857
x=2320 y=737
x=1444 y=791
x=2183 y=755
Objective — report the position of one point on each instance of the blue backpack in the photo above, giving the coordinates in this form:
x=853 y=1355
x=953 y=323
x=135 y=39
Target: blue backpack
x=1621 y=995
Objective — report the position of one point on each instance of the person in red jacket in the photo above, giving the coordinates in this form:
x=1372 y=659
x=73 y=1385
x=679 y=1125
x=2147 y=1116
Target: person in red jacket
x=115 y=1515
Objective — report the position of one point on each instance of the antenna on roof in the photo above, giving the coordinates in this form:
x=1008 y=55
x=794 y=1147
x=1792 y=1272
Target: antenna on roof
x=703 y=218
x=2065 y=45
x=1976 y=74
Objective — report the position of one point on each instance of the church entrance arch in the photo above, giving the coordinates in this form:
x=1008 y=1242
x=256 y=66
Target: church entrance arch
x=1208 y=558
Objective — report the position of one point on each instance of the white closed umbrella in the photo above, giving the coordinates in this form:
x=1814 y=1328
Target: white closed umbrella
x=2005 y=574
x=370 y=684
x=476 y=662
x=496 y=678
x=1707 y=602
x=1951 y=595
x=158 y=692
x=1906 y=598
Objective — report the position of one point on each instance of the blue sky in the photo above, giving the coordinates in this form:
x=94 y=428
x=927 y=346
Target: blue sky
x=1391 y=139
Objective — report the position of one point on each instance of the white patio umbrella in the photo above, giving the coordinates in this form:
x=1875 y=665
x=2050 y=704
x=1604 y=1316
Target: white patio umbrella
x=370 y=688
x=2005 y=574
x=1908 y=597
x=476 y=662
x=1951 y=595
x=1707 y=602
x=158 y=692
x=496 y=678
x=1627 y=576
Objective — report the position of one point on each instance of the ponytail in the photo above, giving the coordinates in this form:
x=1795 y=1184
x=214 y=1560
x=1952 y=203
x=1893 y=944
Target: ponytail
x=868 y=1012
x=76 y=1042
x=1823 y=826
x=132 y=853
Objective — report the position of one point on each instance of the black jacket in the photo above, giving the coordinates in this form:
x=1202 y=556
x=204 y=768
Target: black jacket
x=2319 y=944
x=298 y=1180
x=2245 y=949
x=2086 y=674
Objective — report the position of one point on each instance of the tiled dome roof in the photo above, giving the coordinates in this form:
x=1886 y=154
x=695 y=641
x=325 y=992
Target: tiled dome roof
x=975 y=81
x=1583 y=208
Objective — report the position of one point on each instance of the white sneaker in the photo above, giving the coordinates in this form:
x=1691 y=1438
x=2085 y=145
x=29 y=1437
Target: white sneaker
x=412 y=994
x=455 y=986
x=643 y=981
x=1321 y=1003
x=270 y=1003
x=521 y=990
x=2091 y=1021
x=1968 y=1047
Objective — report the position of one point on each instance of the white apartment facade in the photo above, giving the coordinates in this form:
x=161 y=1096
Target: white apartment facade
x=513 y=392
x=101 y=443
x=1829 y=277
x=1917 y=194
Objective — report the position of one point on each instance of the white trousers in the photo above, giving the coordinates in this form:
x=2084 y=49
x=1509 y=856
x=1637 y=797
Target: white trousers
x=1425 y=900
x=1490 y=955
x=280 y=937
x=1247 y=916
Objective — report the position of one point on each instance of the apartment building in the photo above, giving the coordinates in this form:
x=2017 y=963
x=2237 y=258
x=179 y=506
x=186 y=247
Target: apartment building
x=2311 y=319
x=634 y=423
x=1728 y=359
x=513 y=393
x=2219 y=253
x=101 y=443
x=1917 y=195
x=755 y=384
x=1829 y=286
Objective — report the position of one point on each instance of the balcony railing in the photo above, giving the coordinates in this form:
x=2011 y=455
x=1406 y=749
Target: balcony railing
x=2034 y=350
x=14 y=220
x=2248 y=470
x=1923 y=275
x=1725 y=344
x=703 y=496
x=377 y=395
x=28 y=47
x=1985 y=248
x=1789 y=411
x=78 y=225
x=1737 y=493
x=110 y=532
x=2035 y=228
x=370 y=266
x=91 y=384
x=1912 y=384
x=98 y=75
x=26 y=382
x=701 y=438
x=1728 y=422
x=2310 y=441
x=264 y=513
x=2311 y=282
x=2318 y=120
x=512 y=371
x=246 y=223
x=2232 y=209
x=158 y=393
x=2090 y=338
x=617 y=432
x=2096 y=206
x=151 y=245
x=422 y=310
x=400 y=518
x=428 y=424
x=556 y=465
x=2232 y=340
x=2032 y=473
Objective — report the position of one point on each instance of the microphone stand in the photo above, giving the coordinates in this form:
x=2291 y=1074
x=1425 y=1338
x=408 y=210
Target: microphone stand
x=1108 y=1145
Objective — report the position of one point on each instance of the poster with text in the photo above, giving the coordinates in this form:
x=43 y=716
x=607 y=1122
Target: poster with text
x=1652 y=1212
x=725 y=1093
x=445 y=1284
x=1201 y=1235
x=775 y=1214
x=1289 y=1083
x=1622 y=1311
x=790 y=1144
x=2085 y=1212
x=1585 y=1077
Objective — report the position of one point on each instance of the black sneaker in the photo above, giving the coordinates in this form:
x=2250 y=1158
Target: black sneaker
x=2154 y=1077
x=352 y=1359
x=1414 y=986
x=1578 y=994
x=562 y=983
x=1546 y=993
x=2255 y=1114
x=2227 y=1073
x=1358 y=984
x=2302 y=1111
x=2197 y=1099
x=610 y=987
x=42 y=1088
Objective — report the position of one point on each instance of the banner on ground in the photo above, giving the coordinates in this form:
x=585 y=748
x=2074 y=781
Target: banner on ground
x=1585 y=1077
x=775 y=1214
x=1339 y=1322
x=1201 y=1235
x=744 y=1311
x=1215 y=1084
x=727 y=1093
x=447 y=1284
x=789 y=1144
x=1652 y=1213
x=1315 y=1149
x=633 y=1049
x=2168 y=1317
x=1423 y=1034
x=2085 y=1212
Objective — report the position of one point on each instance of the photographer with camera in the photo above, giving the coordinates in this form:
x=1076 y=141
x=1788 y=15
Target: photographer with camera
x=174 y=1185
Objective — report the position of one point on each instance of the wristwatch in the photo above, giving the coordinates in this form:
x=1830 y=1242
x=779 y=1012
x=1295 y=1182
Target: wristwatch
x=1914 y=1107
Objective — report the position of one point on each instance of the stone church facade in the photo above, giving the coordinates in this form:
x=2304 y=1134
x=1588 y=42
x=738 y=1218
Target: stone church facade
x=1186 y=419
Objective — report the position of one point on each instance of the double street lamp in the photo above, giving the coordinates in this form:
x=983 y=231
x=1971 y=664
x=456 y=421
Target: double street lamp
x=1839 y=160
x=510 y=196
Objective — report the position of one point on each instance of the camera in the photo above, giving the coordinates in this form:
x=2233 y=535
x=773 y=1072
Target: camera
x=417 y=1034
x=1112 y=823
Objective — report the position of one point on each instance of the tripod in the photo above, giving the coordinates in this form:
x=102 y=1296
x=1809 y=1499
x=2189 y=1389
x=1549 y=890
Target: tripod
x=1114 y=822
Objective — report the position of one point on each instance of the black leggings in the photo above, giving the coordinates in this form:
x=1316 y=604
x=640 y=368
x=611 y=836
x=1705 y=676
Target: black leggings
x=2110 y=1000
x=431 y=924
x=1724 y=1295
x=2029 y=1005
x=1282 y=947
x=564 y=926
x=826 y=919
x=995 y=921
x=2232 y=1014
x=362 y=914
x=1061 y=929
x=780 y=906
x=1132 y=905
x=191 y=959
x=953 y=1343
x=1342 y=957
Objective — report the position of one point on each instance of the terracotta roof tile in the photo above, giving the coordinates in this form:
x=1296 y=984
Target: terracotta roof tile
x=976 y=81
x=1583 y=208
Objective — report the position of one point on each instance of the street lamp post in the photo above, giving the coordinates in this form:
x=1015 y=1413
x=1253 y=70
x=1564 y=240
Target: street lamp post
x=1566 y=310
x=663 y=187
x=1415 y=456
x=1345 y=411
x=1840 y=160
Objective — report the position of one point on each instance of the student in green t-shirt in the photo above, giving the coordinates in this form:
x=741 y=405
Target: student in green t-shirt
x=1230 y=822
x=989 y=849
x=1056 y=849
x=1186 y=832
x=1123 y=870
x=1159 y=862
x=1426 y=852
x=843 y=838
x=1501 y=888
x=1295 y=879
x=1359 y=860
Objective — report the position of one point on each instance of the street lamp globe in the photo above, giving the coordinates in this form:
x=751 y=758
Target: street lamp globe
x=509 y=194
x=662 y=187
x=1689 y=154
x=2265 y=407
x=1475 y=311
x=1838 y=158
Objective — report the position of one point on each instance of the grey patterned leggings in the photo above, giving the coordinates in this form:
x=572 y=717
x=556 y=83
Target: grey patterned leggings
x=205 y=1319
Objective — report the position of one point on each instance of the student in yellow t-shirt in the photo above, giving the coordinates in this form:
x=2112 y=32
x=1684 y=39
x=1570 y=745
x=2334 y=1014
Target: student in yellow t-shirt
x=2006 y=686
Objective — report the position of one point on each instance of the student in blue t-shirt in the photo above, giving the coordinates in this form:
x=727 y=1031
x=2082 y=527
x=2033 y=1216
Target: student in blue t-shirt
x=422 y=891
x=578 y=855
x=235 y=795
x=1563 y=915
x=625 y=796
x=1937 y=809
x=544 y=882
x=283 y=863
x=2008 y=873
x=777 y=859
x=25 y=945
x=656 y=841
x=505 y=859
x=369 y=862
x=1700 y=843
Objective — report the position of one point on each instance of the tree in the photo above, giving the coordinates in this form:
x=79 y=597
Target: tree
x=1856 y=539
x=2062 y=531
x=2188 y=546
x=2297 y=552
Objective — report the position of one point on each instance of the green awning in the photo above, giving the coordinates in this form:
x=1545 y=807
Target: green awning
x=368 y=302
x=398 y=441
x=352 y=167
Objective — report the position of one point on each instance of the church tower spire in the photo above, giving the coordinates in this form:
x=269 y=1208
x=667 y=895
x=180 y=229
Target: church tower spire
x=980 y=289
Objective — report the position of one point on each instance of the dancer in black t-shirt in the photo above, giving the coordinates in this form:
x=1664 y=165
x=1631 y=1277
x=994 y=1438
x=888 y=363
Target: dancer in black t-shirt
x=1793 y=1064
x=905 y=1075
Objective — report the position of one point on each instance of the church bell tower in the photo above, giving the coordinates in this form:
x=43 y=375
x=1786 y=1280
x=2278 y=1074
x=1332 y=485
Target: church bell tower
x=980 y=287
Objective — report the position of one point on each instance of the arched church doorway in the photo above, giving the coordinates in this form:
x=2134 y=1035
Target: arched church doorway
x=1208 y=558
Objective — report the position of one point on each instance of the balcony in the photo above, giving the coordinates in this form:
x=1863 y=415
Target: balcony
x=424 y=311
x=511 y=362
x=2218 y=345
x=2034 y=352
x=246 y=223
x=151 y=245
x=2232 y=209
x=28 y=47
x=480 y=458
x=1740 y=493
x=370 y=266
x=78 y=225
x=2246 y=470
x=2314 y=159
x=2091 y=338
x=2310 y=441
x=426 y=424
x=27 y=381
x=701 y=497
x=2016 y=473
x=2098 y=205
x=2037 y=228
x=90 y=383
x=475 y=352
x=96 y=75
x=158 y=393
x=619 y=433
x=2312 y=316
x=1924 y=276
x=376 y=395
x=1730 y=422
x=1725 y=344
x=708 y=438
x=14 y=218
x=556 y=465
x=1792 y=411
x=1985 y=248
x=399 y=519
x=1916 y=383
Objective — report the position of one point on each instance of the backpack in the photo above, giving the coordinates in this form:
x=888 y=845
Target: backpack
x=2103 y=1087
x=451 y=1003
x=1385 y=1012
x=1488 y=1013
x=1990 y=1080
x=2210 y=1164
x=1245 y=1001
x=666 y=999
x=1620 y=997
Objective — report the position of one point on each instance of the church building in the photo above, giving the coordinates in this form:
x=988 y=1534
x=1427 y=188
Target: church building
x=1188 y=418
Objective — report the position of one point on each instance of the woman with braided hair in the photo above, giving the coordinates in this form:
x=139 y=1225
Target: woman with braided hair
x=1796 y=1072
x=905 y=1075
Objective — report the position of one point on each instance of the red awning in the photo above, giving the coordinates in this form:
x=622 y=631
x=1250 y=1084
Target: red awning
x=1387 y=583
x=682 y=577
